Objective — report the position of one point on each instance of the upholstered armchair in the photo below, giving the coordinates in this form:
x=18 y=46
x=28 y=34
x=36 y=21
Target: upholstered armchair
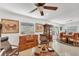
x=73 y=38
x=44 y=39
x=70 y=37
x=63 y=37
x=76 y=39
x=9 y=50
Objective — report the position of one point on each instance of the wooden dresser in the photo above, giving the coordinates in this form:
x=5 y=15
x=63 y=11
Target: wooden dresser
x=27 y=41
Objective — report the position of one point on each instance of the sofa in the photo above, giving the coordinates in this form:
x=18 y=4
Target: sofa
x=27 y=42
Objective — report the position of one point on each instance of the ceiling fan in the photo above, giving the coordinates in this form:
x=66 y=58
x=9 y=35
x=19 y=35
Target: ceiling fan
x=41 y=6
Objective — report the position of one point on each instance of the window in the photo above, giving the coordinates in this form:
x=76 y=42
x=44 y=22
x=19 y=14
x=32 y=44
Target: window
x=27 y=28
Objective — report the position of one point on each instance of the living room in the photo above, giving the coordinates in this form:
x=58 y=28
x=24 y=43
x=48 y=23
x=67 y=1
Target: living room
x=26 y=29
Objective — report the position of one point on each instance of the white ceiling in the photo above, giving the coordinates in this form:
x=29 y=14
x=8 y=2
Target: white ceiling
x=65 y=13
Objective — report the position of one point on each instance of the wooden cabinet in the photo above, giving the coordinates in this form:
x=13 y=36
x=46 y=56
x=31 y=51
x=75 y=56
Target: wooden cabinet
x=0 y=29
x=47 y=32
x=28 y=41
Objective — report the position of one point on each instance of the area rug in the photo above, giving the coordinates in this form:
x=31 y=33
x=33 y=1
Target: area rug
x=46 y=54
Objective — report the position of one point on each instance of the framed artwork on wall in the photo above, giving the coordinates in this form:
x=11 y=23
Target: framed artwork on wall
x=38 y=27
x=10 y=26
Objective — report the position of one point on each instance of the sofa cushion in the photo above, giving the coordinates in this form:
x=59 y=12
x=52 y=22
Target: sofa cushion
x=30 y=40
x=22 y=39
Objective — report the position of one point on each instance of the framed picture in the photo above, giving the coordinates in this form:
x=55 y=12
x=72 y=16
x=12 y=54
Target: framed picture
x=38 y=27
x=10 y=26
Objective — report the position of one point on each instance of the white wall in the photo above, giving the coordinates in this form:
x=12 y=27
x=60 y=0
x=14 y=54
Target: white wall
x=14 y=37
x=72 y=24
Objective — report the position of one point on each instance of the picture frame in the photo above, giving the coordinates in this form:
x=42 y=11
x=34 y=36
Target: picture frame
x=38 y=27
x=10 y=26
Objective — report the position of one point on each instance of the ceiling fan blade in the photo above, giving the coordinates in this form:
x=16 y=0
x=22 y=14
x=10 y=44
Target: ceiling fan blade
x=42 y=13
x=50 y=8
x=39 y=4
x=33 y=10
